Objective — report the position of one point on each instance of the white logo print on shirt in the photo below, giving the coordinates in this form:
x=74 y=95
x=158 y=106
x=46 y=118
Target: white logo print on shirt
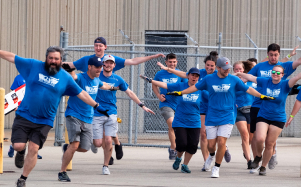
x=91 y=90
x=171 y=80
x=273 y=93
x=48 y=80
x=265 y=73
x=222 y=88
x=190 y=97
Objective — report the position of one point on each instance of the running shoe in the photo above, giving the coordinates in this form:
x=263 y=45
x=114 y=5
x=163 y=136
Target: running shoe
x=273 y=162
x=105 y=170
x=21 y=183
x=252 y=171
x=11 y=151
x=262 y=171
x=19 y=160
x=209 y=162
x=119 y=152
x=172 y=154
x=94 y=149
x=176 y=164
x=39 y=156
x=111 y=162
x=185 y=169
x=227 y=155
x=215 y=172
x=63 y=177
x=255 y=163
x=249 y=164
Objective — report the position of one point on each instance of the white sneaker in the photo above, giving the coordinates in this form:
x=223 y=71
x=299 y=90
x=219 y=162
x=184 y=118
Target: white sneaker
x=203 y=169
x=105 y=170
x=209 y=162
x=255 y=170
x=215 y=172
x=94 y=149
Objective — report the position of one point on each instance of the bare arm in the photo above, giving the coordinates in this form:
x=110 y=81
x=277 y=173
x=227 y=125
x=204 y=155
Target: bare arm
x=161 y=97
x=181 y=74
x=189 y=90
x=159 y=84
x=295 y=110
x=105 y=86
x=134 y=97
x=253 y=92
x=296 y=63
x=73 y=75
x=293 y=53
x=248 y=77
x=294 y=80
x=7 y=56
x=139 y=60
x=85 y=97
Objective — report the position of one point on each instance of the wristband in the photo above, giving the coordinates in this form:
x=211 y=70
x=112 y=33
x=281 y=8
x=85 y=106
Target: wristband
x=267 y=56
x=291 y=116
x=141 y=105
x=288 y=56
x=96 y=106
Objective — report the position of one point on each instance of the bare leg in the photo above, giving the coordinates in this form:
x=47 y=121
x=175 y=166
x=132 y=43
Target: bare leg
x=31 y=158
x=260 y=134
x=171 y=134
x=68 y=155
x=243 y=130
x=107 y=150
x=97 y=142
x=116 y=140
x=19 y=146
x=212 y=145
x=203 y=139
x=187 y=158
x=221 y=149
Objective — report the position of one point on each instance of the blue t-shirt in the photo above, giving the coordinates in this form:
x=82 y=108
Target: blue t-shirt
x=43 y=92
x=107 y=98
x=18 y=81
x=82 y=63
x=243 y=98
x=204 y=103
x=203 y=73
x=188 y=109
x=165 y=76
x=299 y=96
x=273 y=110
x=76 y=107
x=264 y=69
x=221 y=105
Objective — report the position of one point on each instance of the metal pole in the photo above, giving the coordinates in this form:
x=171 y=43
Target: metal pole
x=2 y=97
x=298 y=38
x=197 y=58
x=131 y=101
x=137 y=108
x=256 y=50
x=219 y=50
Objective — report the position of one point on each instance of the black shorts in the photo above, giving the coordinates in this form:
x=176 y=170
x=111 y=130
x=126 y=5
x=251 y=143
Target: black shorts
x=187 y=139
x=253 y=115
x=24 y=130
x=243 y=117
x=269 y=122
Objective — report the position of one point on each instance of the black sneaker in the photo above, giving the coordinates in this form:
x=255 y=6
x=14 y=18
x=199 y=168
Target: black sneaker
x=21 y=183
x=249 y=164
x=63 y=177
x=255 y=163
x=119 y=152
x=19 y=160
x=111 y=161
x=262 y=171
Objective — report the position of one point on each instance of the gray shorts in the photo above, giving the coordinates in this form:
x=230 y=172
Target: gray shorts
x=167 y=112
x=79 y=131
x=104 y=123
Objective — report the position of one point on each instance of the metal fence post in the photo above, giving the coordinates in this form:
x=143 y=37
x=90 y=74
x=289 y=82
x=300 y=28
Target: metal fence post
x=219 y=49
x=196 y=50
x=256 y=50
x=137 y=108
x=130 y=130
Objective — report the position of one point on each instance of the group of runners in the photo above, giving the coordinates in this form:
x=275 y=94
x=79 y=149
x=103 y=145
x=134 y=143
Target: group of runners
x=197 y=103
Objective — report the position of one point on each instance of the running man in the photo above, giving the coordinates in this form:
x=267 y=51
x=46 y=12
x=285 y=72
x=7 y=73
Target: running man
x=168 y=103
x=46 y=83
x=108 y=125
x=221 y=109
x=100 y=45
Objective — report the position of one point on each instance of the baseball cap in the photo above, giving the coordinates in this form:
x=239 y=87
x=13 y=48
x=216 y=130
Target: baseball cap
x=100 y=40
x=109 y=57
x=194 y=70
x=95 y=61
x=224 y=63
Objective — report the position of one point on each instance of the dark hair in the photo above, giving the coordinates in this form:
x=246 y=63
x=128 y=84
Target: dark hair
x=170 y=56
x=210 y=57
x=213 y=53
x=55 y=49
x=252 y=60
x=248 y=66
x=274 y=47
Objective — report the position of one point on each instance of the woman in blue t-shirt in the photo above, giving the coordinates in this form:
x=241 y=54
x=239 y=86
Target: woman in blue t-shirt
x=186 y=123
x=271 y=117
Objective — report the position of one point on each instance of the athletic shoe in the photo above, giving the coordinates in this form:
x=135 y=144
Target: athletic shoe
x=185 y=169
x=11 y=151
x=21 y=183
x=172 y=154
x=39 y=156
x=262 y=171
x=209 y=162
x=215 y=172
x=249 y=164
x=273 y=162
x=176 y=164
x=227 y=155
x=65 y=147
x=19 y=160
x=203 y=169
x=111 y=162
x=105 y=170
x=119 y=152
x=94 y=149
x=63 y=177
x=255 y=163
x=252 y=171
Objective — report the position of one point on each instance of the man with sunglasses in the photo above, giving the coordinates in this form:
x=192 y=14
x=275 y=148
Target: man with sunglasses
x=264 y=69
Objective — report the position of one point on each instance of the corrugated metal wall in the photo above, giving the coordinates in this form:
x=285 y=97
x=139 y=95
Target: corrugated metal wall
x=28 y=27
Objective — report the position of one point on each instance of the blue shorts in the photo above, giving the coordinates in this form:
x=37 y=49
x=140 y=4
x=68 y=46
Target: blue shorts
x=243 y=117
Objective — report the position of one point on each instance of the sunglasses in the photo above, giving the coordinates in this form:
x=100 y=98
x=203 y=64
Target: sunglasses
x=278 y=72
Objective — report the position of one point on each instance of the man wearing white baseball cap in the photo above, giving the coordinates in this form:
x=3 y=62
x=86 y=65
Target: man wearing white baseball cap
x=221 y=109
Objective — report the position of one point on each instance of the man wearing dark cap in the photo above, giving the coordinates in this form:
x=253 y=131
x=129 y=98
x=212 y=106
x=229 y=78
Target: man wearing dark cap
x=79 y=115
x=221 y=109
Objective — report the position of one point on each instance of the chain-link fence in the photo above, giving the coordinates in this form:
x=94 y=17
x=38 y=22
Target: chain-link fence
x=143 y=129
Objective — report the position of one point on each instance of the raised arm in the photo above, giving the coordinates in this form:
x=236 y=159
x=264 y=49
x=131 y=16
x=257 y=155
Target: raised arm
x=156 y=83
x=181 y=74
x=295 y=110
x=139 y=60
x=106 y=86
x=134 y=97
x=161 y=97
x=248 y=77
x=255 y=93
x=7 y=56
x=292 y=53
x=189 y=90
x=297 y=63
x=294 y=80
